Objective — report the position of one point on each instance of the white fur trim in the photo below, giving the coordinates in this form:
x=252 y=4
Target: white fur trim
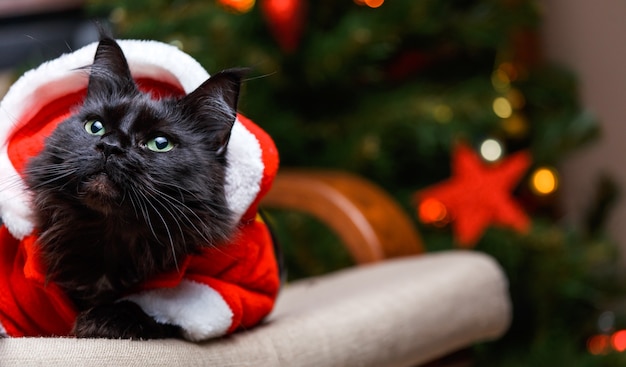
x=13 y=196
x=59 y=77
x=198 y=309
x=245 y=169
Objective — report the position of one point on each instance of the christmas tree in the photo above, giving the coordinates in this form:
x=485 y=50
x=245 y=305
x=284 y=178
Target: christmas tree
x=449 y=106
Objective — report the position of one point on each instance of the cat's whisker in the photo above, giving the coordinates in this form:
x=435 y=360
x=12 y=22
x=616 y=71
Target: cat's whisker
x=123 y=198
x=179 y=206
x=142 y=200
x=144 y=211
x=11 y=183
x=165 y=200
x=132 y=203
x=214 y=209
x=203 y=234
x=178 y=187
x=170 y=203
x=67 y=164
x=253 y=78
x=167 y=229
x=60 y=148
x=55 y=178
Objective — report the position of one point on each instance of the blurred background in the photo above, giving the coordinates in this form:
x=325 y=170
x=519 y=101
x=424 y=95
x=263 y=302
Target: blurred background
x=496 y=124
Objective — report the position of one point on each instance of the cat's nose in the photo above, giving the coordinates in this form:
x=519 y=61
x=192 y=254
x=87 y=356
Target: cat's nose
x=109 y=148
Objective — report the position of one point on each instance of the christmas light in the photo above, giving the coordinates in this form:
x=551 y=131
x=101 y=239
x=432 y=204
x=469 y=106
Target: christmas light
x=515 y=126
x=370 y=3
x=510 y=70
x=606 y=322
x=118 y=15
x=618 y=340
x=491 y=150
x=516 y=98
x=432 y=211
x=370 y=146
x=500 y=80
x=598 y=344
x=177 y=43
x=374 y=3
x=502 y=107
x=544 y=181
x=240 y=6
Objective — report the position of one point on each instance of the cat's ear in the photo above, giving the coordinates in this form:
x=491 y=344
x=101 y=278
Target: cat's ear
x=109 y=73
x=215 y=103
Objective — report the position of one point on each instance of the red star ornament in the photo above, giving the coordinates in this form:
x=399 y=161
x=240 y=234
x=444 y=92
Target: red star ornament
x=479 y=194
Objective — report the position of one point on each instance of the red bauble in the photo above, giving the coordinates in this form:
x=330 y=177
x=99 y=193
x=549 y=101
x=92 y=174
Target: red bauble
x=285 y=19
x=476 y=196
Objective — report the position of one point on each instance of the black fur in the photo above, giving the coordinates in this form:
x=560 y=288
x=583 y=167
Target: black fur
x=110 y=211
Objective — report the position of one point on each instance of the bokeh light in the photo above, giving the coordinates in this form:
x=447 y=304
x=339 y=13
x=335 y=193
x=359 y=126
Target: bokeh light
x=544 y=181
x=598 y=344
x=374 y=3
x=618 y=340
x=516 y=98
x=491 y=150
x=370 y=3
x=433 y=211
x=240 y=6
x=500 y=80
x=515 y=126
x=502 y=107
x=510 y=70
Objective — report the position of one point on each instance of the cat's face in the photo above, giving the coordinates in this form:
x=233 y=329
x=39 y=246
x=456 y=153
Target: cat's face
x=125 y=157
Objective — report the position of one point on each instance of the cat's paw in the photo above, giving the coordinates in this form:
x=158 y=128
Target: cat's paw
x=121 y=320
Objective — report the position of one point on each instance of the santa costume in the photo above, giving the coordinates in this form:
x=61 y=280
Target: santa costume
x=214 y=293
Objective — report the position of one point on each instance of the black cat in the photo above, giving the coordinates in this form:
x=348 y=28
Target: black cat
x=127 y=187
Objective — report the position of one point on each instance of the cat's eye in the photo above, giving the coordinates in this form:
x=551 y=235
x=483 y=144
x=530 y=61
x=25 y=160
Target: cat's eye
x=160 y=144
x=94 y=127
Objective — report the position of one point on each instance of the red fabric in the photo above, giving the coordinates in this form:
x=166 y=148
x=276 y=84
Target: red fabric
x=29 y=307
x=27 y=141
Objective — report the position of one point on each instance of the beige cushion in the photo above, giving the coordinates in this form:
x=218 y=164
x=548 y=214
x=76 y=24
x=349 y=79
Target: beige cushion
x=396 y=313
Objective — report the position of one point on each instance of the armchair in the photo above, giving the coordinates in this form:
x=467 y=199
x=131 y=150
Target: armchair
x=397 y=307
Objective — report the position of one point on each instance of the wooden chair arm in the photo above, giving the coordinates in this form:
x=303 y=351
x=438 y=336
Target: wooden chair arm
x=369 y=222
